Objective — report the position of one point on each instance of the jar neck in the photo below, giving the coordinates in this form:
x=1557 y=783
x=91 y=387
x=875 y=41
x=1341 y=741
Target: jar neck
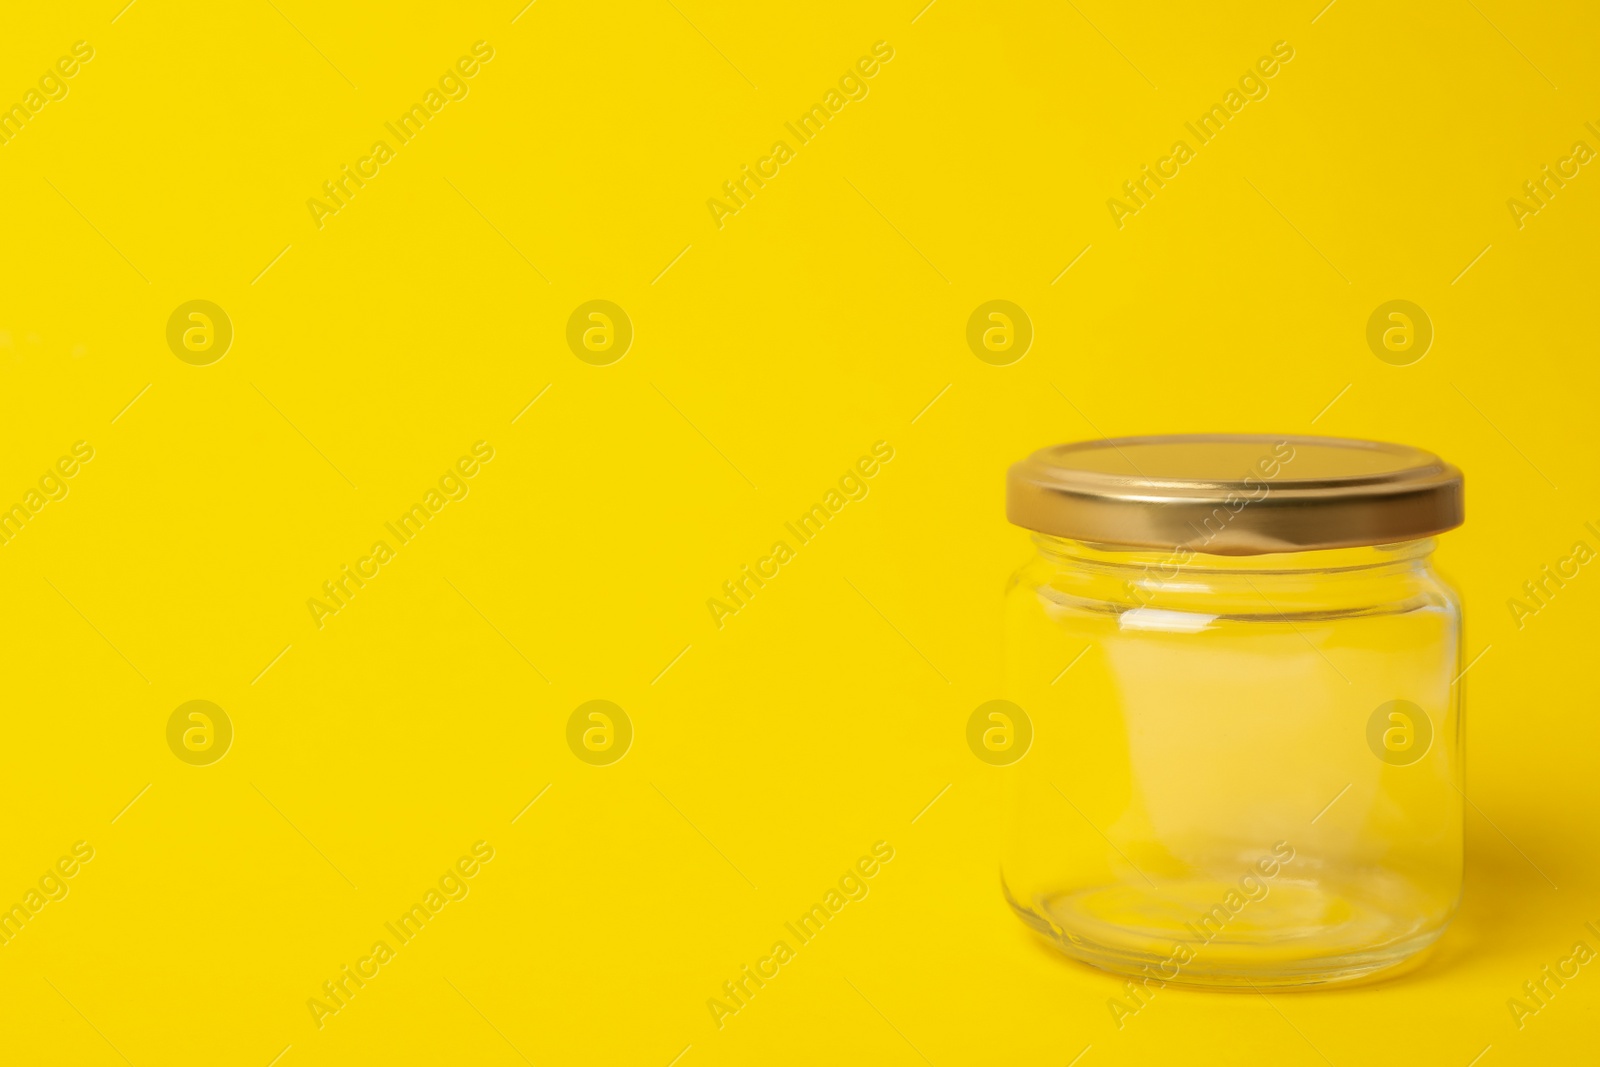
x=1175 y=579
x=1171 y=562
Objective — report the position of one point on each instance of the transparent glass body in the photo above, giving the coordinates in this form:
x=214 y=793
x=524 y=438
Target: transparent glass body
x=1245 y=770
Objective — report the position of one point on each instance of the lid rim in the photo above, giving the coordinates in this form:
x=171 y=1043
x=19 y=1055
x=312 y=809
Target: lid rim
x=1422 y=496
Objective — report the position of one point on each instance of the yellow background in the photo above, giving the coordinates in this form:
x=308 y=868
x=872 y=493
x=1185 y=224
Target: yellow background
x=773 y=352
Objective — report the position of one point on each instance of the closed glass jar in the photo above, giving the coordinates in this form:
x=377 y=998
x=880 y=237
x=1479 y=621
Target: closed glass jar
x=1241 y=673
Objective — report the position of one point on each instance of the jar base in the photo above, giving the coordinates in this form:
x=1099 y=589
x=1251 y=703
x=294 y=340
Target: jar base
x=1304 y=933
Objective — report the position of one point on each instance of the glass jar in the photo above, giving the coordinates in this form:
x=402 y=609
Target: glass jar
x=1242 y=677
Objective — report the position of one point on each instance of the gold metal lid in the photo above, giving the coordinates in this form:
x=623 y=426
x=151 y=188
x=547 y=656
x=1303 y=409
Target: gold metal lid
x=1235 y=494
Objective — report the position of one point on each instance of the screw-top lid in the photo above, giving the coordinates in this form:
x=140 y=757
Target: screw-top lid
x=1235 y=494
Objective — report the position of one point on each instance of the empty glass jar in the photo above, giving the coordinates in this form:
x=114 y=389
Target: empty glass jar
x=1242 y=675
